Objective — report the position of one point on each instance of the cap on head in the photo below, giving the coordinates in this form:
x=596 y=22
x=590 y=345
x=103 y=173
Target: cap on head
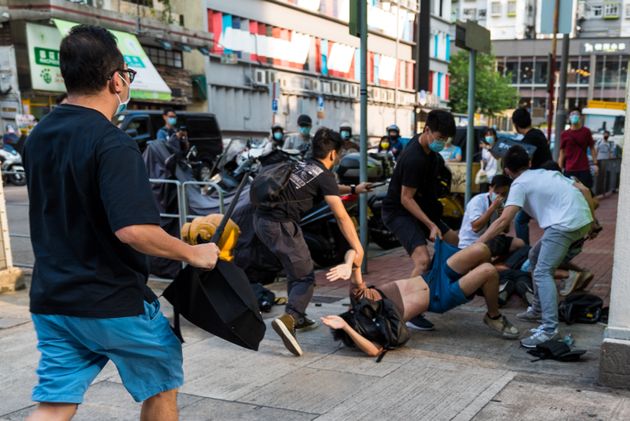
x=304 y=120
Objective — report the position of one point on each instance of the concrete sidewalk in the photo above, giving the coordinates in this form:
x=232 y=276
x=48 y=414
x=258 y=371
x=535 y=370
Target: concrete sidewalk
x=461 y=371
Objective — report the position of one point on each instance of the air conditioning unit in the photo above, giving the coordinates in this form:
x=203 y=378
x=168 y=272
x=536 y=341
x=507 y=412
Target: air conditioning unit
x=391 y=96
x=260 y=77
x=336 y=90
x=345 y=90
x=317 y=85
x=354 y=91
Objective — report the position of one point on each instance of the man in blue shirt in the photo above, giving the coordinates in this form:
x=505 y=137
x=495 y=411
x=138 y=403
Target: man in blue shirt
x=91 y=231
x=170 y=120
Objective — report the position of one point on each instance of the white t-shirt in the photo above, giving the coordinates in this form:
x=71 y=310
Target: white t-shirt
x=551 y=199
x=477 y=206
x=489 y=164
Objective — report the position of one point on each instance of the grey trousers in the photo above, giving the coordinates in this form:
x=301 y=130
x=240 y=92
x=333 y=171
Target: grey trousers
x=545 y=257
x=286 y=242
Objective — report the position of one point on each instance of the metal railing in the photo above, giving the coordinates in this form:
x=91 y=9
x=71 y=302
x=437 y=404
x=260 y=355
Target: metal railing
x=182 y=206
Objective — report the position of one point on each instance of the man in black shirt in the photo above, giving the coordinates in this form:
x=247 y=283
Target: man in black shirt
x=93 y=219
x=411 y=209
x=277 y=226
x=523 y=125
x=522 y=121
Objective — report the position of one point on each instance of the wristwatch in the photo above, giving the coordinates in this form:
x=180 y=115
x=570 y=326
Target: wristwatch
x=353 y=189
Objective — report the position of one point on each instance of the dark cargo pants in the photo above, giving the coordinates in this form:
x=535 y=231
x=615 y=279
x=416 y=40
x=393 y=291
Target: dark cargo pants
x=286 y=242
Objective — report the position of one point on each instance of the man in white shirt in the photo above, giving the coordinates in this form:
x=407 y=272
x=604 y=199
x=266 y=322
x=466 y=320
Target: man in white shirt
x=481 y=211
x=564 y=209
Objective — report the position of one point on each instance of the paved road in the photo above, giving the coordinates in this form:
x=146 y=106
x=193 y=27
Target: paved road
x=17 y=213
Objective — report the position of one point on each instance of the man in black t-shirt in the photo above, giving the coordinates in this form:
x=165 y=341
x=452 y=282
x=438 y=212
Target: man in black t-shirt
x=93 y=219
x=522 y=121
x=411 y=209
x=277 y=226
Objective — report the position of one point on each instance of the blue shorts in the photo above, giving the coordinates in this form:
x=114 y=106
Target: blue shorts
x=74 y=350
x=444 y=290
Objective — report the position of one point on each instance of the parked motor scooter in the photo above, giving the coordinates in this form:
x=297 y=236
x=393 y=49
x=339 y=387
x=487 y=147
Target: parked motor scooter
x=12 y=168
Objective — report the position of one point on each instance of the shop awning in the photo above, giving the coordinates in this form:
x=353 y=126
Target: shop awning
x=43 y=46
x=148 y=83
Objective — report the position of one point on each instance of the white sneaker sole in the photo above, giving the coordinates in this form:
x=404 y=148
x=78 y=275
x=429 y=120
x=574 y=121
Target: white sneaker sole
x=287 y=338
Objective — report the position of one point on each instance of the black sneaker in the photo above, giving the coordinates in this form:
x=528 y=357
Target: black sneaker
x=304 y=324
x=420 y=323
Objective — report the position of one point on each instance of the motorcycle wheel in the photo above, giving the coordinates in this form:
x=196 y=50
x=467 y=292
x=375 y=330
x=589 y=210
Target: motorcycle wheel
x=18 y=179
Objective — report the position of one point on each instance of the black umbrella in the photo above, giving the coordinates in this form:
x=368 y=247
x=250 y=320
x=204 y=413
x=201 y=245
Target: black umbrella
x=220 y=301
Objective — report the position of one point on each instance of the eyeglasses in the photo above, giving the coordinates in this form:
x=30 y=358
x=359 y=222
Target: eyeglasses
x=130 y=73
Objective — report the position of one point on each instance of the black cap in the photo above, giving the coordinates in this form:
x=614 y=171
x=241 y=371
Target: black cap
x=304 y=120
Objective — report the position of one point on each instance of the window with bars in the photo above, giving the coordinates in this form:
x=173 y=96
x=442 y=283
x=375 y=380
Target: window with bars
x=495 y=8
x=169 y=58
x=611 y=10
x=596 y=11
x=511 y=8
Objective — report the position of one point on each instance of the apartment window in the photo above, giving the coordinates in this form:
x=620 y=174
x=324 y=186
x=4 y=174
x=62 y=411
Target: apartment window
x=597 y=11
x=495 y=8
x=469 y=13
x=511 y=8
x=527 y=72
x=169 y=58
x=481 y=14
x=628 y=11
x=611 y=11
x=540 y=71
x=148 y=3
x=511 y=68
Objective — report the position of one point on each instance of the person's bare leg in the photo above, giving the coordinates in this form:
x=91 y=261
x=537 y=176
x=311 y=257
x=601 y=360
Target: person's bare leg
x=411 y=295
x=421 y=260
x=162 y=406
x=469 y=258
x=53 y=412
x=451 y=237
x=486 y=277
x=517 y=243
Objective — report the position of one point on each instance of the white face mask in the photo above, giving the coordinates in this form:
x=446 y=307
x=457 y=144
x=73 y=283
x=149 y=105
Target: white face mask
x=122 y=105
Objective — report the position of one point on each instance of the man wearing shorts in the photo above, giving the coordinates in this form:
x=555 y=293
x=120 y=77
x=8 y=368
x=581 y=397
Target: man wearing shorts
x=411 y=209
x=481 y=211
x=93 y=219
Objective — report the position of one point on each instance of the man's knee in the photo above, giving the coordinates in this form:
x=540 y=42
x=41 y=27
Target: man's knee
x=53 y=412
x=420 y=257
x=489 y=272
x=168 y=395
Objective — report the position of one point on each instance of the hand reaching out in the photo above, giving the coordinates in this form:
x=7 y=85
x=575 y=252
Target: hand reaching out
x=334 y=322
x=342 y=271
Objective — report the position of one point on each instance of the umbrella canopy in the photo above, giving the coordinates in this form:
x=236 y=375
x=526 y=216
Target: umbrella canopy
x=220 y=301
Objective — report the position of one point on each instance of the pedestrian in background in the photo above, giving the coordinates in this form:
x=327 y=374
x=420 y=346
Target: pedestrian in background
x=522 y=121
x=574 y=144
x=170 y=121
x=91 y=230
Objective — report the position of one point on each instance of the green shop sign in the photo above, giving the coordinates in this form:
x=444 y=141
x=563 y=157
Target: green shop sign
x=46 y=57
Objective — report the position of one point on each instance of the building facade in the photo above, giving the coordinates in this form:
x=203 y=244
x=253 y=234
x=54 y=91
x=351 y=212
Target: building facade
x=597 y=70
x=166 y=48
x=506 y=19
x=275 y=60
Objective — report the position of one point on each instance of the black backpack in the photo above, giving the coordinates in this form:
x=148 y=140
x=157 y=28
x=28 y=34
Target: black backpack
x=580 y=307
x=378 y=321
x=270 y=182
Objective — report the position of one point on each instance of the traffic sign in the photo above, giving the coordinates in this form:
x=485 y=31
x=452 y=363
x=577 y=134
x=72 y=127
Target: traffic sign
x=274 y=106
x=320 y=103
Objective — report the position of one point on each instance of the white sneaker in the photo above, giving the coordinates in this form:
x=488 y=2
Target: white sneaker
x=570 y=283
x=529 y=315
x=538 y=336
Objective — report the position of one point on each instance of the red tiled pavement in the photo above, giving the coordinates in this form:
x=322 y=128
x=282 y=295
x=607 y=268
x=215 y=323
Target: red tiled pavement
x=597 y=256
